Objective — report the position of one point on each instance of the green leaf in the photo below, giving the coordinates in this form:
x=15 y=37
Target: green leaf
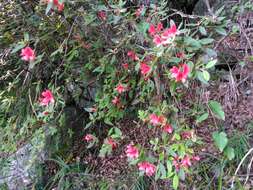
x=211 y=63
x=175 y=182
x=169 y=168
x=216 y=109
x=206 y=75
x=220 y=140
x=115 y=133
x=107 y=121
x=26 y=36
x=229 y=153
x=18 y=47
x=206 y=41
x=201 y=118
x=142 y=115
x=200 y=76
x=192 y=42
x=181 y=174
x=162 y=171
x=221 y=31
x=211 y=52
x=202 y=30
x=143 y=27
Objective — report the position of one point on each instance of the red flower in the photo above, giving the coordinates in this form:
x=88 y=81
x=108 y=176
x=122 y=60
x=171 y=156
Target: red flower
x=145 y=69
x=111 y=142
x=168 y=128
x=46 y=98
x=132 y=55
x=56 y=3
x=180 y=55
x=170 y=32
x=60 y=7
x=147 y=167
x=152 y=30
x=27 y=54
x=176 y=163
x=154 y=119
x=159 y=27
x=160 y=36
x=93 y=109
x=88 y=138
x=158 y=40
x=120 y=88
x=102 y=15
x=186 y=161
x=125 y=65
x=115 y=100
x=187 y=134
x=132 y=152
x=180 y=73
x=46 y=113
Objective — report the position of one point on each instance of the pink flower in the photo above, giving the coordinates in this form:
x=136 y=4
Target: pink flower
x=159 y=27
x=120 y=88
x=115 y=100
x=145 y=69
x=176 y=163
x=102 y=15
x=60 y=7
x=186 y=161
x=154 y=119
x=180 y=55
x=160 y=36
x=157 y=40
x=27 y=54
x=56 y=3
x=147 y=167
x=88 y=138
x=132 y=55
x=168 y=128
x=152 y=30
x=132 y=152
x=170 y=32
x=180 y=73
x=111 y=142
x=46 y=98
x=196 y=158
x=125 y=65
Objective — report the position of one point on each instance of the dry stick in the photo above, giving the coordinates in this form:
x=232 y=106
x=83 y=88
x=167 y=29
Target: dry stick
x=30 y=100
x=248 y=170
x=248 y=40
x=176 y=12
x=238 y=167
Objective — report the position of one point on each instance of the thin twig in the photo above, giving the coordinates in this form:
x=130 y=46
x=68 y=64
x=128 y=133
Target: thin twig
x=177 y=12
x=248 y=170
x=238 y=167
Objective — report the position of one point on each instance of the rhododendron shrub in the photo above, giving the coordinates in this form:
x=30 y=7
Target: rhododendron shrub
x=118 y=64
x=150 y=75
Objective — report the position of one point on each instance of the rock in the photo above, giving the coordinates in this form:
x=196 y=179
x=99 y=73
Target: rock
x=21 y=170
